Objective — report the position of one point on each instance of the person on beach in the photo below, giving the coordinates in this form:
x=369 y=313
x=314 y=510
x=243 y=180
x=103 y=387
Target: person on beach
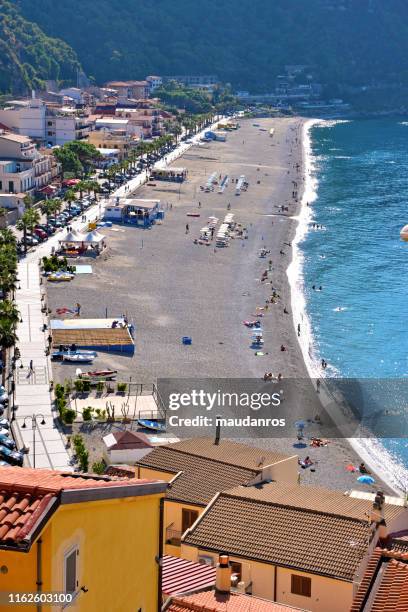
x=187 y=228
x=283 y=348
x=362 y=468
x=298 y=329
x=285 y=311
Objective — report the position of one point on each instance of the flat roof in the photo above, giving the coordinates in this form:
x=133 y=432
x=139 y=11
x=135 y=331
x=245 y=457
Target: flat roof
x=83 y=323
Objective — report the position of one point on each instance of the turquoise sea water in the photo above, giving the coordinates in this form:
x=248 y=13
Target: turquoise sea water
x=359 y=321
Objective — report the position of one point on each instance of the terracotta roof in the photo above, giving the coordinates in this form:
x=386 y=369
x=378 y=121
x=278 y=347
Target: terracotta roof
x=181 y=576
x=384 y=587
x=306 y=532
x=200 y=479
x=28 y=495
x=232 y=453
x=129 y=440
x=210 y=601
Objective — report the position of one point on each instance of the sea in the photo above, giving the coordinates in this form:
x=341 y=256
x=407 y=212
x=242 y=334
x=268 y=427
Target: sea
x=349 y=274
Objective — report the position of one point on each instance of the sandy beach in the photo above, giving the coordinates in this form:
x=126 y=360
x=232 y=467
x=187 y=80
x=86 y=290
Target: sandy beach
x=170 y=287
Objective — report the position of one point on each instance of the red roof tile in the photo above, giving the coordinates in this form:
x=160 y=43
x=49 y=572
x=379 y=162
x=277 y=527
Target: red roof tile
x=210 y=601
x=26 y=495
x=181 y=576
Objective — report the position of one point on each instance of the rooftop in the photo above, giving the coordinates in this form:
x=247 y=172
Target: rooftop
x=181 y=576
x=307 y=528
x=28 y=497
x=16 y=138
x=205 y=469
x=124 y=440
x=384 y=587
x=211 y=601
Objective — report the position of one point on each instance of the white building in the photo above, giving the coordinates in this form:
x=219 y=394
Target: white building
x=126 y=447
x=23 y=169
x=154 y=82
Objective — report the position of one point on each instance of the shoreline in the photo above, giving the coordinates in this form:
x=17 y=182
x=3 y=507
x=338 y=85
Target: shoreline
x=298 y=304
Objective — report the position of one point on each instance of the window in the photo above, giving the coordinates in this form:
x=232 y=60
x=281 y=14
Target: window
x=11 y=187
x=188 y=517
x=236 y=571
x=301 y=585
x=71 y=571
x=1 y=185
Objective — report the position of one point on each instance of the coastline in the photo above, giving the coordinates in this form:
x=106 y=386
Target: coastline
x=369 y=450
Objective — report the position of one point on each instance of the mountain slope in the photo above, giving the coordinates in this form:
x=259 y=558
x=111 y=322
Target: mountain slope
x=28 y=56
x=245 y=42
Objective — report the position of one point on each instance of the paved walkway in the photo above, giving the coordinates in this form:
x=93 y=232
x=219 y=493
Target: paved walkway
x=32 y=386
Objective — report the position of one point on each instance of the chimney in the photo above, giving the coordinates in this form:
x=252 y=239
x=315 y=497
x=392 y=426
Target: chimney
x=377 y=511
x=223 y=575
x=217 y=430
x=382 y=530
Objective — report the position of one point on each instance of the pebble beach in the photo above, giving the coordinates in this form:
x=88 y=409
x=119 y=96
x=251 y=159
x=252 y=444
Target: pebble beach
x=170 y=287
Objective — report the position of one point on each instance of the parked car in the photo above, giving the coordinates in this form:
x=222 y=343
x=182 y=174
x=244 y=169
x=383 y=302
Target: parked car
x=11 y=456
x=6 y=441
x=4 y=424
x=31 y=240
x=40 y=233
x=3 y=395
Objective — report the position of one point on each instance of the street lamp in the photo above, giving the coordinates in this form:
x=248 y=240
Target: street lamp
x=34 y=425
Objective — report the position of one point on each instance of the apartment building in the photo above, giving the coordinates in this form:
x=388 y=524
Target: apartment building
x=23 y=168
x=130 y=89
x=118 y=139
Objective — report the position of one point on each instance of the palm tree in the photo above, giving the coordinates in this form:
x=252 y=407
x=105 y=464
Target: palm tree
x=29 y=219
x=8 y=338
x=7 y=236
x=28 y=201
x=70 y=197
x=48 y=208
x=9 y=311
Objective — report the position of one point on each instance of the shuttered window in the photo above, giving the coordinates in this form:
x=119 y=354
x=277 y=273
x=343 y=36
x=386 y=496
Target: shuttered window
x=70 y=569
x=301 y=585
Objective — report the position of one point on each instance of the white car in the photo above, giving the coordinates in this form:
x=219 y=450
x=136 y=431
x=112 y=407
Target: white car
x=3 y=395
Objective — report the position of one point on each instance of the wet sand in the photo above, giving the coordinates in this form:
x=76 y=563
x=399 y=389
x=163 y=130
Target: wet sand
x=170 y=287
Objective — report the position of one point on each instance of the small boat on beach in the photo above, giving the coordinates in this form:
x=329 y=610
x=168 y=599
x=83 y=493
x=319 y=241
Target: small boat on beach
x=78 y=358
x=60 y=355
x=97 y=375
x=152 y=425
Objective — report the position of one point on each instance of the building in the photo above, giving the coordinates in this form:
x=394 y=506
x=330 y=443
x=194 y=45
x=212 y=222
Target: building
x=195 y=81
x=23 y=168
x=154 y=83
x=134 y=211
x=223 y=598
x=48 y=124
x=149 y=121
x=301 y=546
x=130 y=89
x=384 y=587
x=118 y=139
x=198 y=469
x=93 y=536
x=181 y=576
x=125 y=446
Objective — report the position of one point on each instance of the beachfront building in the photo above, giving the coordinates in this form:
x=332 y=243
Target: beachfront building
x=93 y=536
x=147 y=119
x=306 y=547
x=134 y=211
x=173 y=175
x=198 y=469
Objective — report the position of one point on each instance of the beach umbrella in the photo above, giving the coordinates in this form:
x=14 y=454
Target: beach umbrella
x=366 y=480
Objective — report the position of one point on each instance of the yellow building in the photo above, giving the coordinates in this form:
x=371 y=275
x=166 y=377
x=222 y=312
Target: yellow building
x=305 y=547
x=92 y=536
x=115 y=139
x=199 y=468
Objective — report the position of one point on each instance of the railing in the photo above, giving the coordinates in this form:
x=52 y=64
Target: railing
x=173 y=537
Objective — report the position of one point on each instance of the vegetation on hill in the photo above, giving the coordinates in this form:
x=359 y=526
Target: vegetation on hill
x=244 y=42
x=27 y=56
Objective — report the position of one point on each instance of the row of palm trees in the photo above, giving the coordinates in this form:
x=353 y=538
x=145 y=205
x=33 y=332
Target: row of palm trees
x=9 y=315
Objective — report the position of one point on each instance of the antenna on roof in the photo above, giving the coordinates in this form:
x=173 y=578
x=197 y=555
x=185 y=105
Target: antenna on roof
x=217 y=429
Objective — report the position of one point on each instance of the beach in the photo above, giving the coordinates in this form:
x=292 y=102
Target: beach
x=170 y=287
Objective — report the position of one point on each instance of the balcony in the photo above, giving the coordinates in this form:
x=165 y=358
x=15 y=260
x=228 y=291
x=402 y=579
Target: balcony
x=173 y=537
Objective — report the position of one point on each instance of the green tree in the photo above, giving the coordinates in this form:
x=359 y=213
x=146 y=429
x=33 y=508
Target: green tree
x=29 y=219
x=8 y=339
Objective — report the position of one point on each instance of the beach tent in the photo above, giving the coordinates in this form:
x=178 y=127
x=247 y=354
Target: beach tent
x=93 y=237
x=73 y=236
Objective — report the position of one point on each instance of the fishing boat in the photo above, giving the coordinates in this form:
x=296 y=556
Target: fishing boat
x=152 y=425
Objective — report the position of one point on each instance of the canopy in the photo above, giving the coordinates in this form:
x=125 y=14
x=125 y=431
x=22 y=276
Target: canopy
x=73 y=236
x=93 y=237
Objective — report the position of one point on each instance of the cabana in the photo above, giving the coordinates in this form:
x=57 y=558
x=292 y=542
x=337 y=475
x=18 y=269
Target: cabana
x=75 y=243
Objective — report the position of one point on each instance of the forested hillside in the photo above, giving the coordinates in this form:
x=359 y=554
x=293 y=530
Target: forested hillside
x=245 y=42
x=28 y=56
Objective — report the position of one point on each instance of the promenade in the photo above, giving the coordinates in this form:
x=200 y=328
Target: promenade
x=33 y=400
